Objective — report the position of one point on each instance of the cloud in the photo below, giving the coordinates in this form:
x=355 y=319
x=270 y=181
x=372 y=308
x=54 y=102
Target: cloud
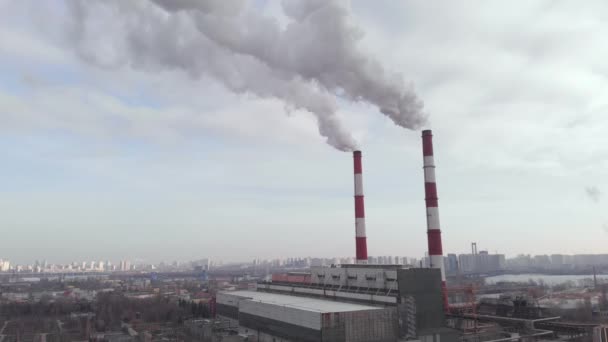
x=593 y=193
x=605 y=227
x=496 y=80
x=91 y=113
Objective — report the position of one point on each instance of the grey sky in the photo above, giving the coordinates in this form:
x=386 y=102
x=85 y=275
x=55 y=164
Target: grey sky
x=594 y=193
x=111 y=163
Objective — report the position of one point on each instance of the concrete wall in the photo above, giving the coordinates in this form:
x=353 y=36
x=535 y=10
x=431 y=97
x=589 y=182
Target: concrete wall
x=299 y=325
x=228 y=311
x=289 y=315
x=280 y=330
x=292 y=324
x=422 y=286
x=373 y=325
x=376 y=278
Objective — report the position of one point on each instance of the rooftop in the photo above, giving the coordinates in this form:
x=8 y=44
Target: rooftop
x=302 y=303
x=379 y=266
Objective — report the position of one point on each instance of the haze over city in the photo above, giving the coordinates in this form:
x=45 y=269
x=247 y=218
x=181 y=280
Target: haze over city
x=106 y=157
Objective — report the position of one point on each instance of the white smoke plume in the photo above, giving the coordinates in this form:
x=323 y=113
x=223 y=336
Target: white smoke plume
x=594 y=193
x=306 y=63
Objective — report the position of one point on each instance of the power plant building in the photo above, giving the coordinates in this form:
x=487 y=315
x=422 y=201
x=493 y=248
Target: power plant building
x=409 y=299
x=279 y=317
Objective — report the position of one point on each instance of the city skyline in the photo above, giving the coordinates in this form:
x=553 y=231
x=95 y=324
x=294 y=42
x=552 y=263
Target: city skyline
x=523 y=260
x=101 y=161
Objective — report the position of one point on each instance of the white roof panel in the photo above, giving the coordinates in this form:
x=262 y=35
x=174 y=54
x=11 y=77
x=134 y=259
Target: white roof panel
x=302 y=303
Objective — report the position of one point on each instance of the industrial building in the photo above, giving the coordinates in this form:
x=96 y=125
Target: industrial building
x=415 y=293
x=410 y=301
x=278 y=317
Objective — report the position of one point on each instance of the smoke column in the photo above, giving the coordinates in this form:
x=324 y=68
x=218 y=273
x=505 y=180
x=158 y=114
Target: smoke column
x=307 y=63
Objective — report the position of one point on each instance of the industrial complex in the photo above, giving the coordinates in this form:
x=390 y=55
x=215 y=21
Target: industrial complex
x=353 y=302
x=365 y=301
x=361 y=298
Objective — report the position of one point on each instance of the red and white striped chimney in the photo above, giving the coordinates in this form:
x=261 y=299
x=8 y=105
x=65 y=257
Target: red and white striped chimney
x=432 y=211
x=360 y=239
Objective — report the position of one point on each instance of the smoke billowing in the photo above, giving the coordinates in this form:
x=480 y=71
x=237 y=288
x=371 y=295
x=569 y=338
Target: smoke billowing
x=306 y=63
x=594 y=193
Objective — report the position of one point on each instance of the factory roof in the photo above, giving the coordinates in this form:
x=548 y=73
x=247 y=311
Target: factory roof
x=302 y=303
x=378 y=266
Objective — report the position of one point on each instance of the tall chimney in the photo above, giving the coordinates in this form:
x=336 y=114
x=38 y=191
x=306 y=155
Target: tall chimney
x=432 y=211
x=360 y=239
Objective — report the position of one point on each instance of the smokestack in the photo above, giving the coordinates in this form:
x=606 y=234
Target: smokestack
x=360 y=239
x=432 y=211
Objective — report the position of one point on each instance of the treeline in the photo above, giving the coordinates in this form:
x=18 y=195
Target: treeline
x=112 y=309
x=199 y=310
x=44 y=307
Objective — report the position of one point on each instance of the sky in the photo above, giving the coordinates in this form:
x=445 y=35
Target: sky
x=126 y=162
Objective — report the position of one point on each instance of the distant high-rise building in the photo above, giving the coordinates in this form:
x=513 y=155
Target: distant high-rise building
x=451 y=263
x=124 y=265
x=5 y=265
x=317 y=262
x=205 y=264
x=414 y=262
x=557 y=261
x=542 y=261
x=425 y=262
x=481 y=262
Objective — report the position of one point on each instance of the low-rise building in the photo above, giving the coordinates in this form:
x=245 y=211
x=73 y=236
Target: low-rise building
x=279 y=317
